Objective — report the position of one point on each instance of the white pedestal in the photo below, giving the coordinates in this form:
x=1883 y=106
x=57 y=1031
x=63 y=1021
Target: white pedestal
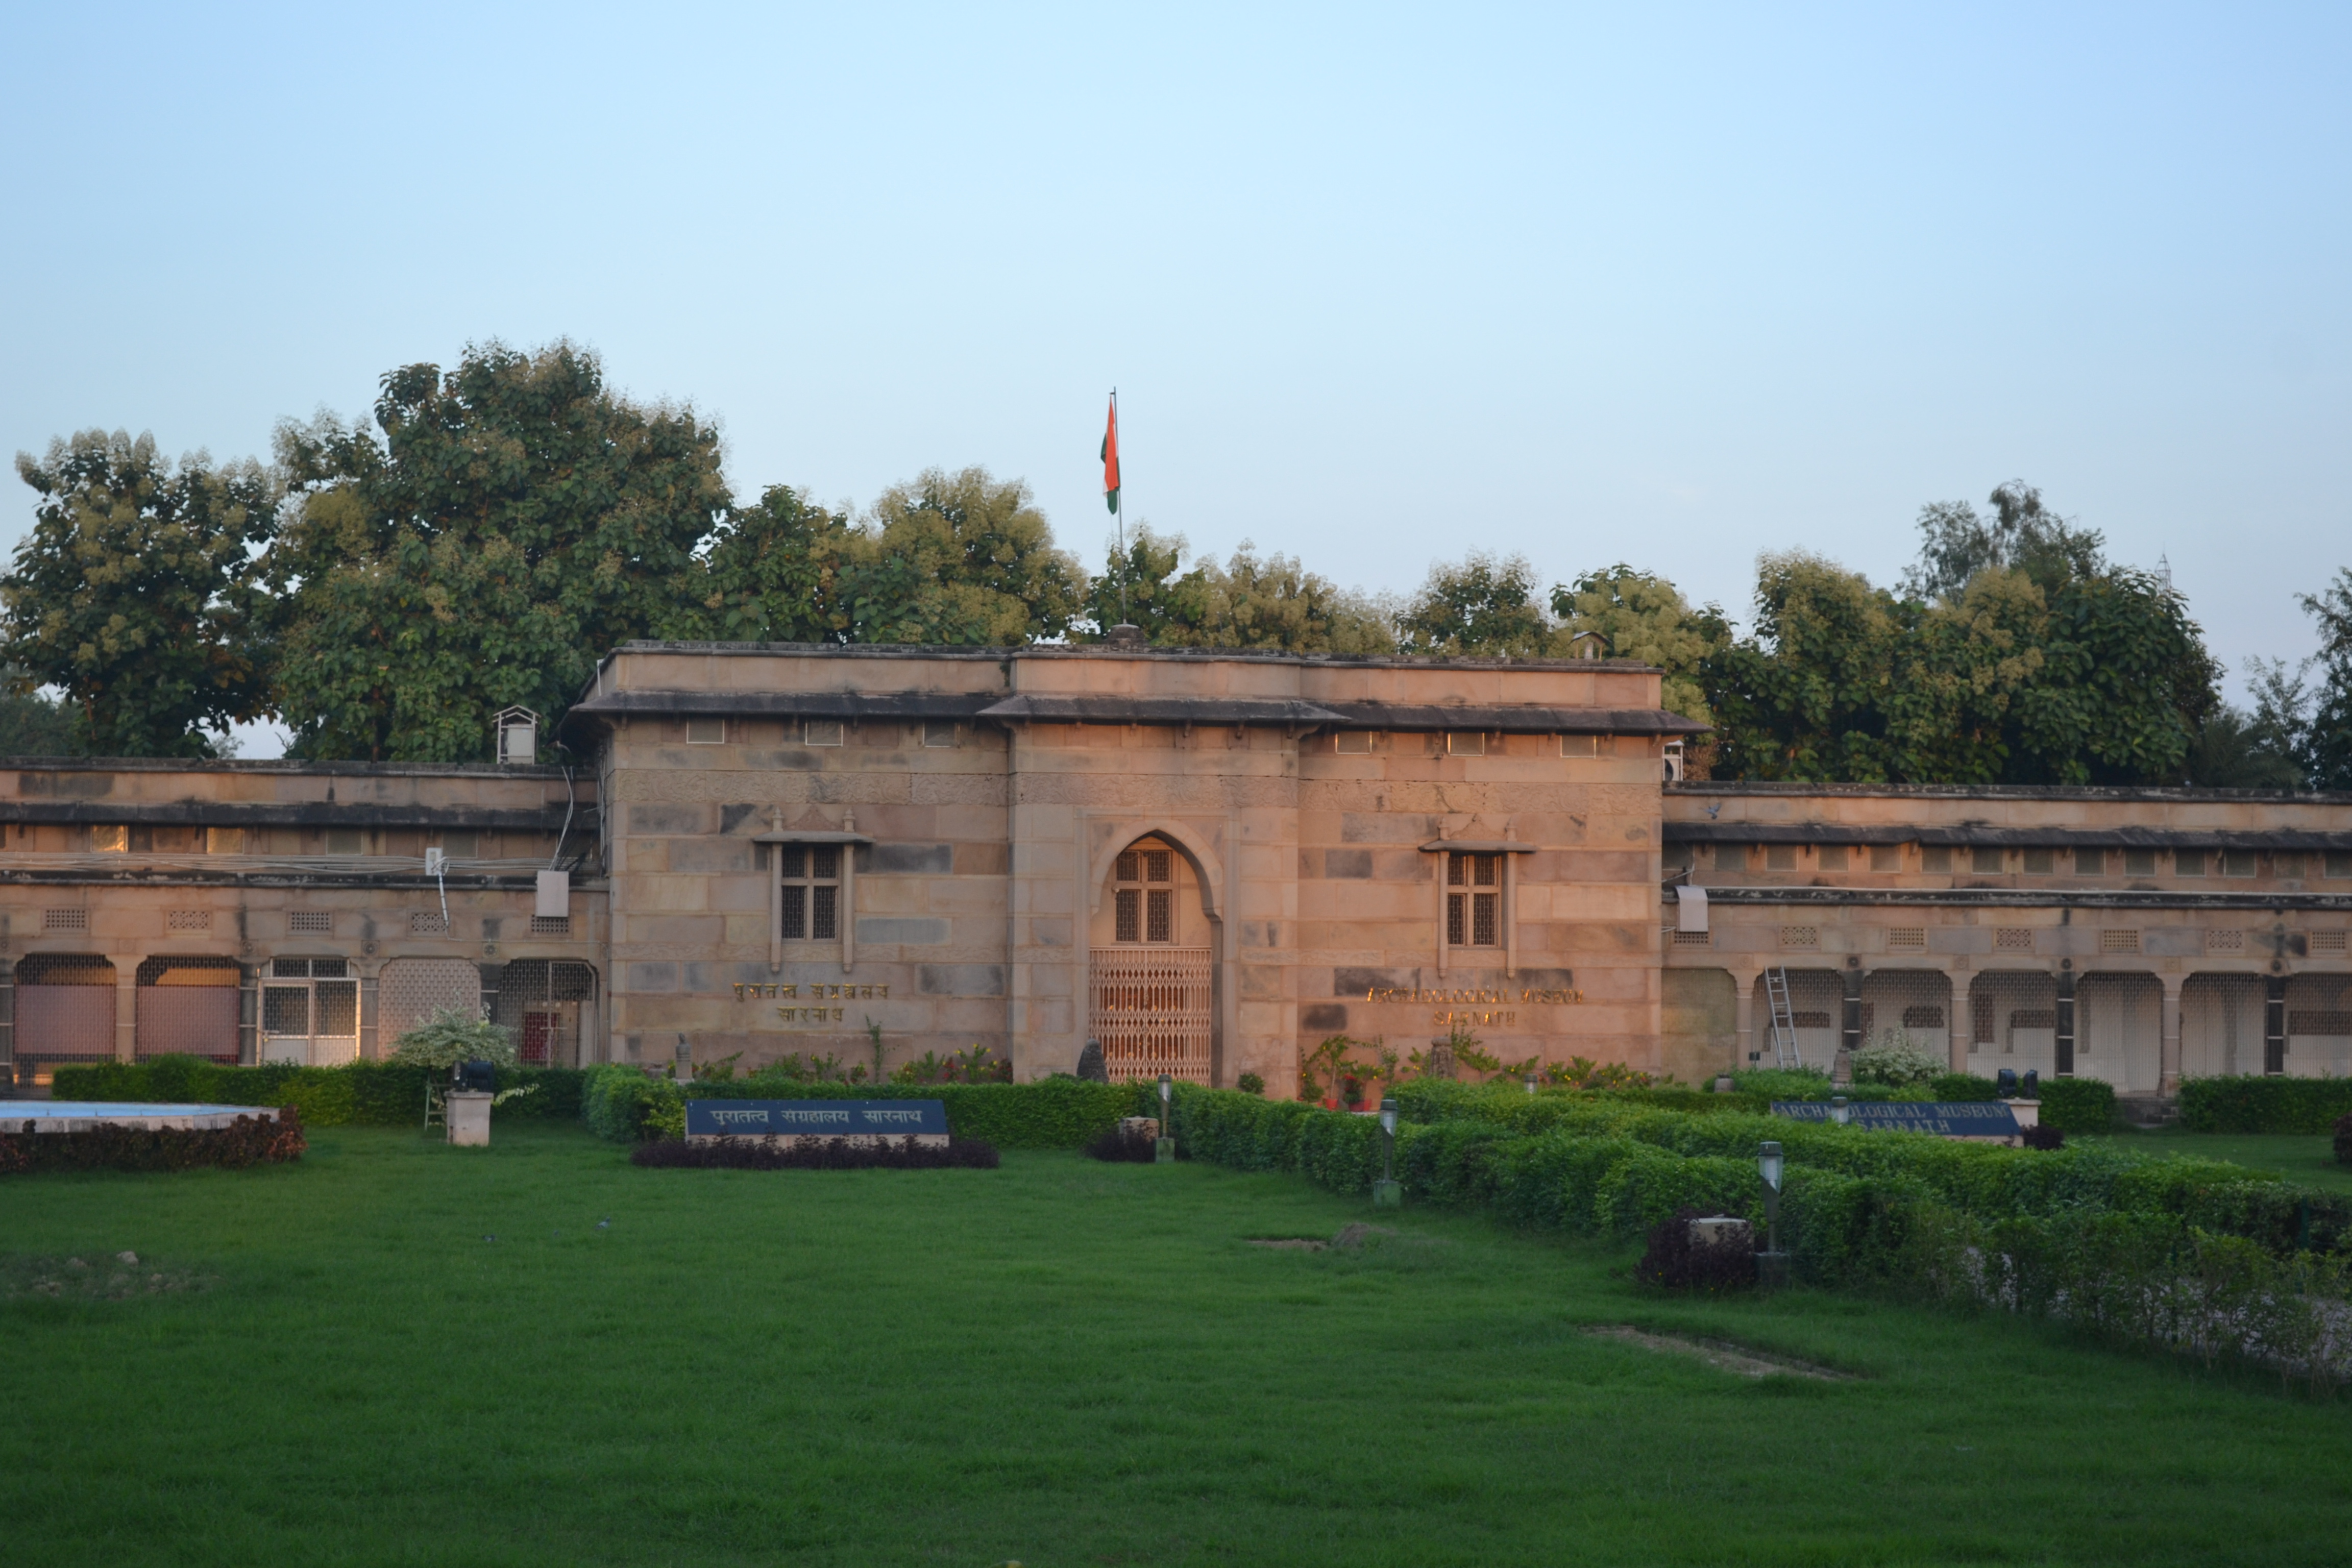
x=2029 y=1112
x=469 y=1118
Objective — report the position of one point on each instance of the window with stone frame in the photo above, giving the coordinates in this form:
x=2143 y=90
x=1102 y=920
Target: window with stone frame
x=1143 y=894
x=810 y=909
x=1474 y=899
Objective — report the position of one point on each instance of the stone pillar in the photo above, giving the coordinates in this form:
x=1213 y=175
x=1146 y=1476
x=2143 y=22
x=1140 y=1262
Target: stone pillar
x=2274 y=1025
x=126 y=1013
x=2062 y=1058
x=2168 y=1060
x=1744 y=1016
x=1850 y=1038
x=1959 y=1019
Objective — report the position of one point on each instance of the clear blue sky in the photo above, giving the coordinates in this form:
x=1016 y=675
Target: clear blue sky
x=1674 y=286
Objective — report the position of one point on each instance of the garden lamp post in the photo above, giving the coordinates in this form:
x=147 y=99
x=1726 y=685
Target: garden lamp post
x=1840 y=1112
x=1532 y=1081
x=1772 y=1264
x=1165 y=1152
x=1387 y=1192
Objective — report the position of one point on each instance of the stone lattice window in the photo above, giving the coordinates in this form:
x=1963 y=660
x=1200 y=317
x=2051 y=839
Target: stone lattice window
x=811 y=908
x=2014 y=939
x=1906 y=939
x=1801 y=936
x=1143 y=899
x=1473 y=912
x=2119 y=942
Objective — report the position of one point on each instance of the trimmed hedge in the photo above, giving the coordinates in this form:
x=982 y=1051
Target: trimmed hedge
x=2078 y=1104
x=2251 y=1104
x=627 y=1105
x=2193 y=1254
x=1593 y=1164
x=364 y=1094
x=249 y=1141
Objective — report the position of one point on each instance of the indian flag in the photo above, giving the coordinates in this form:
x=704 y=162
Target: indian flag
x=1111 y=456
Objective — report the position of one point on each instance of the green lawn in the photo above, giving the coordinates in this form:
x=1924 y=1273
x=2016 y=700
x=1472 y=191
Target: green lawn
x=1059 y=1361
x=2308 y=1158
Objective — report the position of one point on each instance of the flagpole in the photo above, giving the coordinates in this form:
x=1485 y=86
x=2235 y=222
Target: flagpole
x=1119 y=509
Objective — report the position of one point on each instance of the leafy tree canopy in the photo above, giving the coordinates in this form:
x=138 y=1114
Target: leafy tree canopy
x=2324 y=747
x=949 y=558
x=960 y=558
x=1246 y=602
x=1644 y=616
x=132 y=594
x=512 y=519
x=1483 y=607
x=2102 y=680
x=2021 y=535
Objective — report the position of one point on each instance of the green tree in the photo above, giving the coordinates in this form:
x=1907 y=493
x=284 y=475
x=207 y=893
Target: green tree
x=1271 y=602
x=2023 y=534
x=1483 y=607
x=2102 y=680
x=32 y=725
x=771 y=575
x=512 y=521
x=1800 y=697
x=2259 y=748
x=132 y=594
x=957 y=558
x=1644 y=616
x=1138 y=583
x=2323 y=746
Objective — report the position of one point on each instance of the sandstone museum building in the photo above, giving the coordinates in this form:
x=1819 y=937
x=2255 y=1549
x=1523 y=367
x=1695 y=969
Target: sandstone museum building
x=1207 y=861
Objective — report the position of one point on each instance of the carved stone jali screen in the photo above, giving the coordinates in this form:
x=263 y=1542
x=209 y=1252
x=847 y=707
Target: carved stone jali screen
x=1154 y=1011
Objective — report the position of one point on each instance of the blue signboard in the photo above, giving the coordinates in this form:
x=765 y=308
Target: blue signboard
x=816 y=1118
x=1946 y=1119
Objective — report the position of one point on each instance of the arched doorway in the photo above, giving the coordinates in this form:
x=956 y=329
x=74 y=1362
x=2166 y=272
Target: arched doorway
x=2013 y=1023
x=188 y=1006
x=1151 y=985
x=65 y=1007
x=543 y=1003
x=2119 y=1030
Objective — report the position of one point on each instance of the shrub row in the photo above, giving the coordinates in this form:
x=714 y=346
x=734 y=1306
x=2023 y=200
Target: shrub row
x=1474 y=1144
x=362 y=1094
x=2188 y=1254
x=2263 y=1104
x=627 y=1105
x=249 y=1141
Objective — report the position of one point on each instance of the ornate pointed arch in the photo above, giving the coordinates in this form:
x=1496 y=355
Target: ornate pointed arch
x=1208 y=869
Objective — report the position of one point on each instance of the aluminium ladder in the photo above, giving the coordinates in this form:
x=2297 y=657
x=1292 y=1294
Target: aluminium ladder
x=1784 y=1019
